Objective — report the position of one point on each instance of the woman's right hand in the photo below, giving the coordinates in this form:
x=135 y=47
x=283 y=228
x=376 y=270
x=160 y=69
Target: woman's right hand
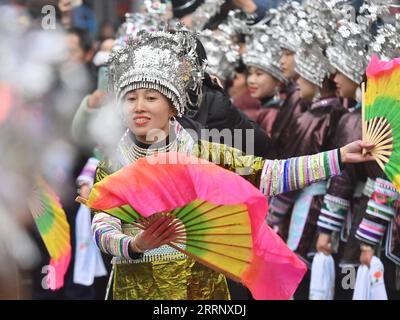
x=157 y=234
x=354 y=152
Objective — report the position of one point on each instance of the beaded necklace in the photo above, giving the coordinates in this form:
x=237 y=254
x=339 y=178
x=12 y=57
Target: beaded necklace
x=132 y=152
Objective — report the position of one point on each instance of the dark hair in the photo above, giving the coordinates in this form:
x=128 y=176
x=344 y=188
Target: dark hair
x=329 y=84
x=241 y=68
x=220 y=17
x=85 y=40
x=200 y=51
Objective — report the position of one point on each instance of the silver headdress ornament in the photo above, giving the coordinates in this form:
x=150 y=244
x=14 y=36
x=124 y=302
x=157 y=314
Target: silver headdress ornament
x=316 y=34
x=387 y=41
x=312 y=64
x=205 y=12
x=349 y=52
x=163 y=61
x=287 y=18
x=263 y=50
x=238 y=22
x=136 y=22
x=196 y=82
x=223 y=53
x=155 y=17
x=159 y=7
x=373 y=9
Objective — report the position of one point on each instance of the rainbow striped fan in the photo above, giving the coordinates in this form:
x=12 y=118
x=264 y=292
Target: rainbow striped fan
x=219 y=217
x=381 y=115
x=54 y=229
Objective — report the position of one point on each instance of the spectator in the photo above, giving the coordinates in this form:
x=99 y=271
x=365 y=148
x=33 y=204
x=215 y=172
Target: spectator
x=78 y=14
x=81 y=51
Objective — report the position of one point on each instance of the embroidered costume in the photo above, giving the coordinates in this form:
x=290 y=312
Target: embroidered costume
x=166 y=62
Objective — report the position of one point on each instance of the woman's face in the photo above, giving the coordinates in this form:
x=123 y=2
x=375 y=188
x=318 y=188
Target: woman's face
x=308 y=90
x=345 y=87
x=287 y=64
x=146 y=112
x=261 y=84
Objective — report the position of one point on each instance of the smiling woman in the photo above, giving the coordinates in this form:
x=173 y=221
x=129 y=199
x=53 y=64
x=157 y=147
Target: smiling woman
x=151 y=76
x=261 y=84
x=146 y=112
x=264 y=77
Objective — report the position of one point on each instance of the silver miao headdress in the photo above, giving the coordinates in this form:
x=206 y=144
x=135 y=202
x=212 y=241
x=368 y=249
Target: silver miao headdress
x=136 y=22
x=312 y=64
x=205 y=12
x=238 y=22
x=155 y=17
x=222 y=50
x=316 y=35
x=349 y=52
x=263 y=50
x=159 y=7
x=222 y=53
x=287 y=18
x=386 y=42
x=162 y=61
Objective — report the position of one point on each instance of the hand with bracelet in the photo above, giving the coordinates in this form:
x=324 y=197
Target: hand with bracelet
x=157 y=234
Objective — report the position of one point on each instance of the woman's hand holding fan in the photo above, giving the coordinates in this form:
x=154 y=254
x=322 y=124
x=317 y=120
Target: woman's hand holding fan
x=158 y=230
x=381 y=115
x=357 y=151
x=206 y=212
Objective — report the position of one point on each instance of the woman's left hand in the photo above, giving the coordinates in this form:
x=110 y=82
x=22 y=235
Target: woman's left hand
x=353 y=152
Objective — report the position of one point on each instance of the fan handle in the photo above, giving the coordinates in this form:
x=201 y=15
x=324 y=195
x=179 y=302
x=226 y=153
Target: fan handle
x=364 y=124
x=81 y=200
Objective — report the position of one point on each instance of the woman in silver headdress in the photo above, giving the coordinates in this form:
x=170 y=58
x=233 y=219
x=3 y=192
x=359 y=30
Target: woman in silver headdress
x=314 y=132
x=350 y=69
x=351 y=197
x=151 y=76
x=264 y=77
x=286 y=23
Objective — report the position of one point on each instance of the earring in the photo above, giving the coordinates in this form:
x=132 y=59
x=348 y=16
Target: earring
x=172 y=121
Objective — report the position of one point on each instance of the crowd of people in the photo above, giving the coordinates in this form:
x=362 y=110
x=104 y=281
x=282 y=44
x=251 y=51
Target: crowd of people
x=244 y=81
